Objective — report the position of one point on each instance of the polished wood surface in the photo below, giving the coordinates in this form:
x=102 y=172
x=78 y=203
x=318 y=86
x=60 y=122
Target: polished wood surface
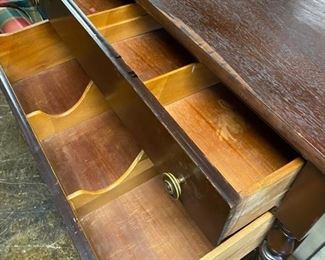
x=144 y=223
x=152 y=54
x=54 y=90
x=241 y=147
x=271 y=54
x=92 y=154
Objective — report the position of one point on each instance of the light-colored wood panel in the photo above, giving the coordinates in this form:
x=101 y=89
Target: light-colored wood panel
x=116 y=15
x=243 y=242
x=139 y=166
x=129 y=28
x=144 y=223
x=181 y=83
x=239 y=145
x=31 y=50
x=91 y=103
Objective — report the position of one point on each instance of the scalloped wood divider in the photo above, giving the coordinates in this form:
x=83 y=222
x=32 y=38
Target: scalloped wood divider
x=138 y=172
x=91 y=103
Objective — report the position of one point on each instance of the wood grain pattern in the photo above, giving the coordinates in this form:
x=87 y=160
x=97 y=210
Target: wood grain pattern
x=139 y=167
x=92 y=154
x=94 y=6
x=271 y=54
x=91 y=104
x=21 y=57
x=53 y=90
x=182 y=82
x=129 y=28
x=263 y=195
x=243 y=149
x=244 y=241
x=152 y=54
x=144 y=224
x=116 y=15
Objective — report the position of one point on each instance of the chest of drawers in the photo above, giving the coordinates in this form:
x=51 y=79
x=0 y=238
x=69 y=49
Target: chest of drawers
x=118 y=114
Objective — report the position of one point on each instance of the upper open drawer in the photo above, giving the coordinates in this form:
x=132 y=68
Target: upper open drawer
x=223 y=164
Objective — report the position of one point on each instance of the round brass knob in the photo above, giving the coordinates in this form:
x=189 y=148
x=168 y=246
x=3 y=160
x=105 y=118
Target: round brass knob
x=172 y=185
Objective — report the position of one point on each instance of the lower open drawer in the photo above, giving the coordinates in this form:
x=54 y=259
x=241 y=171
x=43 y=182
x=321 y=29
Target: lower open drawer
x=116 y=193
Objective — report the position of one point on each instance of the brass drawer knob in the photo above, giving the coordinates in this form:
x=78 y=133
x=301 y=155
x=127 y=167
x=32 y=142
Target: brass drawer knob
x=172 y=185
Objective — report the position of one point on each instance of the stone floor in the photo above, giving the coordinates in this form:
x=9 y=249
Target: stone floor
x=30 y=226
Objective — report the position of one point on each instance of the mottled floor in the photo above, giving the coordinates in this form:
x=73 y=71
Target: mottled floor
x=30 y=226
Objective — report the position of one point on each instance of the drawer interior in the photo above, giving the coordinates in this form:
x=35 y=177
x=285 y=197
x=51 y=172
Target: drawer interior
x=104 y=173
x=239 y=145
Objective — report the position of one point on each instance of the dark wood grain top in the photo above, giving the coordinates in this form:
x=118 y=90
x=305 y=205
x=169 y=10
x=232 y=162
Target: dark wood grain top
x=270 y=53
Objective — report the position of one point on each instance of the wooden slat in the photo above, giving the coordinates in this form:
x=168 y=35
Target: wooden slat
x=181 y=83
x=116 y=15
x=129 y=28
x=243 y=242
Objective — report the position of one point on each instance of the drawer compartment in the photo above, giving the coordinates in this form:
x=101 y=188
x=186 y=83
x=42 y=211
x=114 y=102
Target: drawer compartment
x=224 y=152
x=165 y=114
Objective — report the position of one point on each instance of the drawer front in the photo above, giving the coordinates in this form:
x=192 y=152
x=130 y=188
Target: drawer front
x=161 y=138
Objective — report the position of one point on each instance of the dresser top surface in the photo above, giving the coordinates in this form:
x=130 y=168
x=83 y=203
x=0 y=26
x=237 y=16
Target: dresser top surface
x=270 y=53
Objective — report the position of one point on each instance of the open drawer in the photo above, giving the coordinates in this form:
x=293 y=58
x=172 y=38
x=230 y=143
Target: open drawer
x=162 y=119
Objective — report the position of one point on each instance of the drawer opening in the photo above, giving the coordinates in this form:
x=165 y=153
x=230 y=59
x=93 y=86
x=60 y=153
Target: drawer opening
x=252 y=158
x=86 y=144
x=238 y=144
